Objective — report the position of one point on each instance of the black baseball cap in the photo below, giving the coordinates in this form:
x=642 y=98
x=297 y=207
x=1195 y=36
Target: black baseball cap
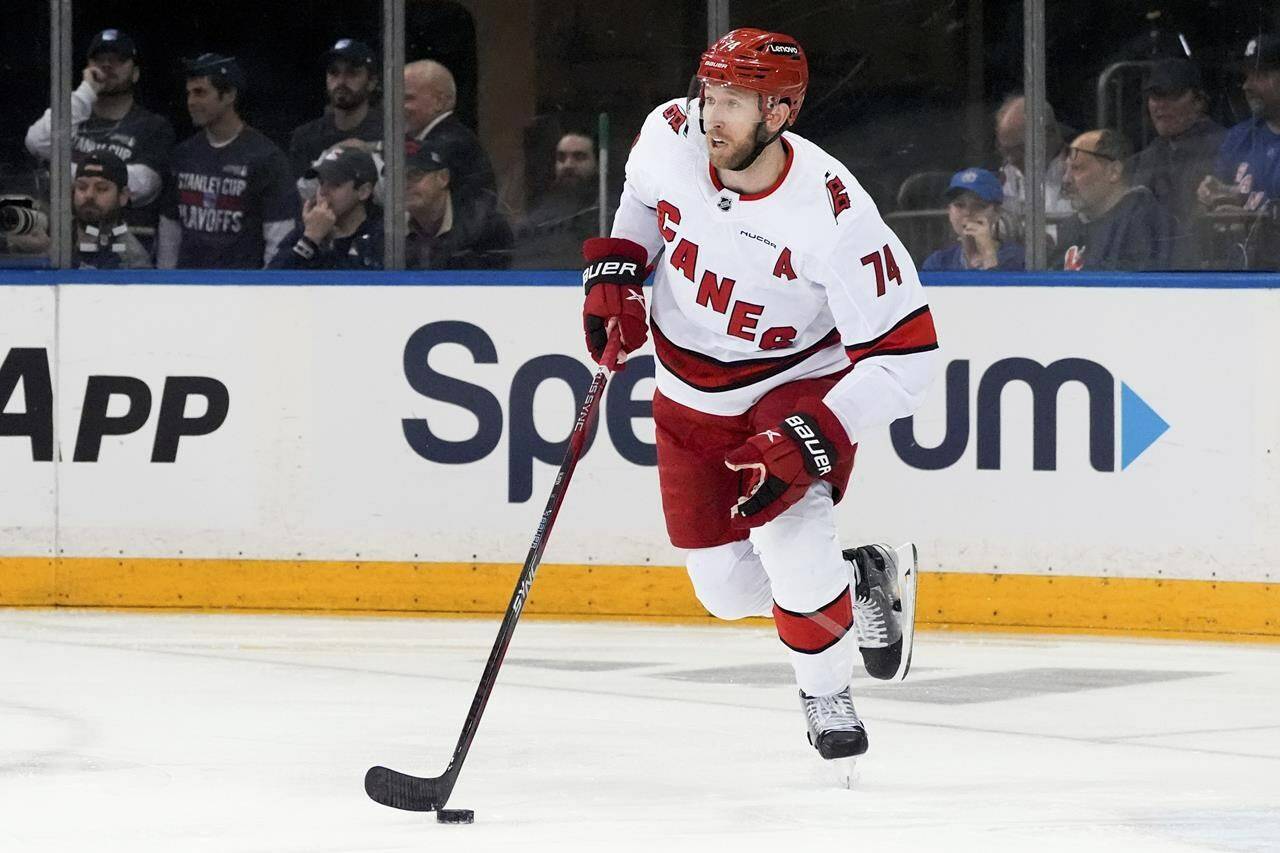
x=424 y=156
x=355 y=52
x=213 y=65
x=1261 y=53
x=1173 y=77
x=104 y=164
x=113 y=41
x=345 y=164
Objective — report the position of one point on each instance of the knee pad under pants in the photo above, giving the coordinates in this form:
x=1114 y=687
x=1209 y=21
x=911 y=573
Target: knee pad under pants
x=730 y=581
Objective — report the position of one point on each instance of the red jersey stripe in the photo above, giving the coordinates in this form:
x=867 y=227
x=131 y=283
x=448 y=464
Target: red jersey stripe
x=913 y=333
x=708 y=374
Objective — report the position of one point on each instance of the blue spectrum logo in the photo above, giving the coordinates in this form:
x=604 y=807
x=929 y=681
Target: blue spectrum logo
x=1140 y=426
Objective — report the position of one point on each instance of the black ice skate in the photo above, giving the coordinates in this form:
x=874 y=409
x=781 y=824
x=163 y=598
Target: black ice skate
x=884 y=607
x=834 y=728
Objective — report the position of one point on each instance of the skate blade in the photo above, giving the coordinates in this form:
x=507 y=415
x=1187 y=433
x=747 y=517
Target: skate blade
x=908 y=572
x=845 y=771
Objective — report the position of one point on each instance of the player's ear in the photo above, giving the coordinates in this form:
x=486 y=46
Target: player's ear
x=778 y=117
x=133 y=78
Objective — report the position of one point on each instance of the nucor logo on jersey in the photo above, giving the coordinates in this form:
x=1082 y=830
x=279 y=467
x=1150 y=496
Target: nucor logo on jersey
x=610 y=268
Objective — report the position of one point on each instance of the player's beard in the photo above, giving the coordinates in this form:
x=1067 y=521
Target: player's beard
x=739 y=156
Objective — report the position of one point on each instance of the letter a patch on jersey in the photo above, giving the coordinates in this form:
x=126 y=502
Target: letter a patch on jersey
x=783 y=268
x=839 y=195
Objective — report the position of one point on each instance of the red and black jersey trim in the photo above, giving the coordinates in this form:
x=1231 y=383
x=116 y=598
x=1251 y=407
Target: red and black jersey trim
x=704 y=373
x=913 y=333
x=811 y=633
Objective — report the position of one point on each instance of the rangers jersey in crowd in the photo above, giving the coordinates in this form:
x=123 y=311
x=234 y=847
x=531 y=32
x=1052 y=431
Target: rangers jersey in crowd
x=229 y=206
x=1248 y=160
x=753 y=291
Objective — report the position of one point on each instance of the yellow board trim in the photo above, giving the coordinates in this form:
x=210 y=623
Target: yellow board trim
x=1190 y=608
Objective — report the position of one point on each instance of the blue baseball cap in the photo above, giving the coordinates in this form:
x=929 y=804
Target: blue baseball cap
x=980 y=182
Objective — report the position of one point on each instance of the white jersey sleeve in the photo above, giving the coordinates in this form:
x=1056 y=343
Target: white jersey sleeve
x=637 y=218
x=880 y=309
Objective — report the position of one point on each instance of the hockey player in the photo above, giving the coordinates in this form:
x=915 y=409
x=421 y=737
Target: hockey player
x=788 y=321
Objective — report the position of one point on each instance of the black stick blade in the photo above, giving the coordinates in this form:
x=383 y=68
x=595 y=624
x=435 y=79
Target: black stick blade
x=402 y=791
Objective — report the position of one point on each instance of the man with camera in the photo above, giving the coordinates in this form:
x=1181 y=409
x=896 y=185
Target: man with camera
x=99 y=196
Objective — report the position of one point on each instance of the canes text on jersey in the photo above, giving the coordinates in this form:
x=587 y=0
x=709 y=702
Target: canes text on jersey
x=716 y=293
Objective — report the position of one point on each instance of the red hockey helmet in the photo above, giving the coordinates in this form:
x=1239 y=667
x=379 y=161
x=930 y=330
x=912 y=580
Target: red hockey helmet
x=772 y=64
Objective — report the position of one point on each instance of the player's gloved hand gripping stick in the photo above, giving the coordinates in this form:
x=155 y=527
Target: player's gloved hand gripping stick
x=414 y=793
x=614 y=285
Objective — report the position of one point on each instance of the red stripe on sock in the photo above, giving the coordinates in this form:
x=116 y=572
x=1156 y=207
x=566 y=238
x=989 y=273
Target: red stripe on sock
x=810 y=633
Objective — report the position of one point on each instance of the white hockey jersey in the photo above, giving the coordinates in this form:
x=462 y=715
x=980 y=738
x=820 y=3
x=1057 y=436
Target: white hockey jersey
x=754 y=291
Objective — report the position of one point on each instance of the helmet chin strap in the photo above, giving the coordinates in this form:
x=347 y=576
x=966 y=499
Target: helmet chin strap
x=757 y=149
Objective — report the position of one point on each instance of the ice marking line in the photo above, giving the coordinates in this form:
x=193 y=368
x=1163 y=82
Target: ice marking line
x=1196 y=732
x=509 y=683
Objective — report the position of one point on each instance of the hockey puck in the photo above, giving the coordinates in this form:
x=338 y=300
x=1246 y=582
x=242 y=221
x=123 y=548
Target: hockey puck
x=455 y=816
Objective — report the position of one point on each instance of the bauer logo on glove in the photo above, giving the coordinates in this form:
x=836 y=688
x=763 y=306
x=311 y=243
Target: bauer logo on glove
x=613 y=281
x=819 y=461
x=779 y=465
x=606 y=269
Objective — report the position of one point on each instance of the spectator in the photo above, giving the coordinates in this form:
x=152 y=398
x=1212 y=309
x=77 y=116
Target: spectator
x=105 y=116
x=351 y=78
x=1117 y=226
x=552 y=232
x=336 y=231
x=98 y=198
x=231 y=199
x=430 y=96
x=1011 y=126
x=974 y=200
x=1247 y=173
x=1182 y=153
x=443 y=234
x=1187 y=140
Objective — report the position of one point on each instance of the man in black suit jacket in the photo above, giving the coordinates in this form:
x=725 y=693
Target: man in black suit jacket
x=430 y=96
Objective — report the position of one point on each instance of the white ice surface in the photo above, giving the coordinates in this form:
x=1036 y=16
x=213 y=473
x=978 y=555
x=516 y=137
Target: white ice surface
x=136 y=732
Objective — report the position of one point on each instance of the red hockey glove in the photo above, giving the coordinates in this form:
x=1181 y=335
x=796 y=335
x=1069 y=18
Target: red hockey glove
x=613 y=280
x=780 y=464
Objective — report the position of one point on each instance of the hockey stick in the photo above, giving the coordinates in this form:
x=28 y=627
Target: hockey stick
x=419 y=794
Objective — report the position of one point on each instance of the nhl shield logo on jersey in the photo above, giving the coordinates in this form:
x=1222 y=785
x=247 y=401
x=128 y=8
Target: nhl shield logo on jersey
x=724 y=203
x=839 y=195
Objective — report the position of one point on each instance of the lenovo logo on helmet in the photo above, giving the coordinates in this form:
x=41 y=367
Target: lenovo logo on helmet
x=788 y=49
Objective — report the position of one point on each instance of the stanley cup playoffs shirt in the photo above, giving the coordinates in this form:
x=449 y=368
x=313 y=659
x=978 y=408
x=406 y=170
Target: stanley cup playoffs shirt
x=226 y=200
